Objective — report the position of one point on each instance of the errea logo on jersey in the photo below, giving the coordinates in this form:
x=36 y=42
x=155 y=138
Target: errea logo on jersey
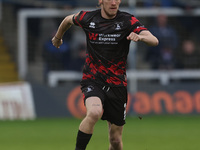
x=92 y=25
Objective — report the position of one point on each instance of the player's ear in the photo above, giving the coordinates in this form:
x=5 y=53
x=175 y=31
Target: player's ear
x=100 y=2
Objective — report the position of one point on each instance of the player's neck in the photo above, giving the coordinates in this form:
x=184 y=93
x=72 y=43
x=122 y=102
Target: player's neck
x=106 y=15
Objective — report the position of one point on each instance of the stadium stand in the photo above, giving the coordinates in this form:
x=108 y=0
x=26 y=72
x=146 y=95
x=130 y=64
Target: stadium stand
x=36 y=26
x=8 y=72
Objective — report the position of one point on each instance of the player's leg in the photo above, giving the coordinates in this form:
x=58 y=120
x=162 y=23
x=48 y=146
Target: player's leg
x=115 y=137
x=94 y=113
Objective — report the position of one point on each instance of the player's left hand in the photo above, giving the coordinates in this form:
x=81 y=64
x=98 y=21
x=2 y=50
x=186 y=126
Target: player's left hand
x=134 y=37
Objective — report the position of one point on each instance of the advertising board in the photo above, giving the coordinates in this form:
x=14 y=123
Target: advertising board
x=177 y=98
x=16 y=101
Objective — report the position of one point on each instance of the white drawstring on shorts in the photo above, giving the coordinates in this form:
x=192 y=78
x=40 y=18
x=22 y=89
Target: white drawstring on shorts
x=107 y=88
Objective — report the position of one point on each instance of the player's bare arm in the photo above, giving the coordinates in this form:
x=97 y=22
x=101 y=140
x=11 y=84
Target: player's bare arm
x=144 y=36
x=64 y=26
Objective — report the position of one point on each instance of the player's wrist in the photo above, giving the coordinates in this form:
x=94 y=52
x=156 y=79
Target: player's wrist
x=57 y=38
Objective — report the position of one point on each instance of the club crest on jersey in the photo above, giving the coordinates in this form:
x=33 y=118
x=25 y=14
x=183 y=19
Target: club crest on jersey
x=92 y=25
x=118 y=25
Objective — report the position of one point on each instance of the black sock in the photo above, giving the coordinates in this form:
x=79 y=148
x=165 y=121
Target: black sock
x=82 y=140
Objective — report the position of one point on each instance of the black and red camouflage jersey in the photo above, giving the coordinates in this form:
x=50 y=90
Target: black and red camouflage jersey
x=107 y=46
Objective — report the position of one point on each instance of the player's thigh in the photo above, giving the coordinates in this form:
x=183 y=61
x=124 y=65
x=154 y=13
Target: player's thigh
x=94 y=106
x=115 y=132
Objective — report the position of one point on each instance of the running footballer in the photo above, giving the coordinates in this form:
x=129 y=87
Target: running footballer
x=104 y=84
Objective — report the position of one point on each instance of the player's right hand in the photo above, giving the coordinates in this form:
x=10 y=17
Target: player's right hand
x=134 y=37
x=57 y=42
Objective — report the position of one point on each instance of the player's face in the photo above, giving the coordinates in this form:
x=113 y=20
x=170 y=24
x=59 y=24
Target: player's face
x=109 y=8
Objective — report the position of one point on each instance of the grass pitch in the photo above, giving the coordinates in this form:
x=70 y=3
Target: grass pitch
x=150 y=133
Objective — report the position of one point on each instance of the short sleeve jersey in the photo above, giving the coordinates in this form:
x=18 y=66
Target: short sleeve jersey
x=107 y=46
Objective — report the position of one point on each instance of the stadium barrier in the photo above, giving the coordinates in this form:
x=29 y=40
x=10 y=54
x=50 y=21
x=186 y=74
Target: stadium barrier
x=16 y=101
x=164 y=76
x=151 y=99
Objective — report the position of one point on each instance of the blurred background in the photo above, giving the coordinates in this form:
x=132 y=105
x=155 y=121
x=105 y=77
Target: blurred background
x=162 y=80
x=39 y=81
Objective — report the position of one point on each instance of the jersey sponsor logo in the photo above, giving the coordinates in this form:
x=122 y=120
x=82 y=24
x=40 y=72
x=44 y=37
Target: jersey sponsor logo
x=106 y=39
x=93 y=36
x=92 y=25
x=103 y=38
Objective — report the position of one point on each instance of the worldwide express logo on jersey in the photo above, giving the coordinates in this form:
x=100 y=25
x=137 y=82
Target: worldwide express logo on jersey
x=103 y=37
x=93 y=36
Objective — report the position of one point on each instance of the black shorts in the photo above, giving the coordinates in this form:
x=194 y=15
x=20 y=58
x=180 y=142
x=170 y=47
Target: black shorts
x=114 y=101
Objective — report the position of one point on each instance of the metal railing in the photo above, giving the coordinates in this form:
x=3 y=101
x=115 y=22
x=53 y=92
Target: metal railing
x=164 y=76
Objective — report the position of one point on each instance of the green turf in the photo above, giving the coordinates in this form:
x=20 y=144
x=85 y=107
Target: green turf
x=150 y=133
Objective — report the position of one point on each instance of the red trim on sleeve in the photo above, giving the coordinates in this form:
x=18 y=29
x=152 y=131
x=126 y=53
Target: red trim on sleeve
x=82 y=15
x=139 y=29
x=77 y=22
x=133 y=20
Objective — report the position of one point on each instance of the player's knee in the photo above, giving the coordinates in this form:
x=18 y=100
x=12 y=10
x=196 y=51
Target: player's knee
x=95 y=114
x=115 y=141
